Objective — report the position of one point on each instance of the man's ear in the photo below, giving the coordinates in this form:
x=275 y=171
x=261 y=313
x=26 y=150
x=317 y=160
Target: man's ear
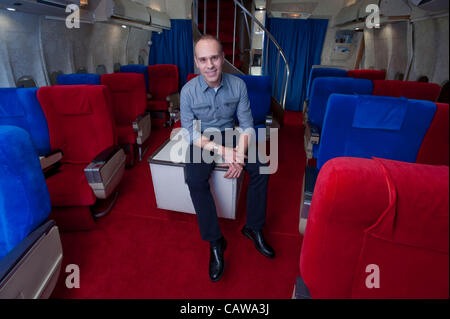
x=195 y=61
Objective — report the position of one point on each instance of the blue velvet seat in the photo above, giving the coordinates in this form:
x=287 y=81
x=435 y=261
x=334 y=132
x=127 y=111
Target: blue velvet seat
x=321 y=90
x=24 y=198
x=20 y=107
x=78 y=78
x=323 y=87
x=323 y=72
x=367 y=126
x=259 y=89
x=30 y=245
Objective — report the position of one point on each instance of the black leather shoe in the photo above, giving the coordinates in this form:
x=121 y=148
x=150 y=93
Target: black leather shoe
x=216 y=260
x=260 y=244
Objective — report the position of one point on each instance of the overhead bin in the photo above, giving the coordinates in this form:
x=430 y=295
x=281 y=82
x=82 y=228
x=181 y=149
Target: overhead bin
x=127 y=12
x=159 y=19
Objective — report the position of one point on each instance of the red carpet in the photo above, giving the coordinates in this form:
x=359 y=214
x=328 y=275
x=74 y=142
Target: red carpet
x=139 y=251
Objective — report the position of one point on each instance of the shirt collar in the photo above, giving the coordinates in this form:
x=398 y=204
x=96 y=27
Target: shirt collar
x=205 y=86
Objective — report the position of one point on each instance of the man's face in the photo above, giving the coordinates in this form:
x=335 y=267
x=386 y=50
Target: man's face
x=209 y=60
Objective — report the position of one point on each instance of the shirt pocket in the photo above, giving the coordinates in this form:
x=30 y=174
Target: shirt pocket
x=229 y=107
x=202 y=111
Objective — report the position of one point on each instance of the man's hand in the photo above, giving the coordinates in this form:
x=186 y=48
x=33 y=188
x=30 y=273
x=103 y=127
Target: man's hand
x=234 y=160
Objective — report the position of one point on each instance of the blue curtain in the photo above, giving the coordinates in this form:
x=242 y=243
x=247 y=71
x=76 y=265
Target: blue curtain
x=174 y=46
x=302 y=41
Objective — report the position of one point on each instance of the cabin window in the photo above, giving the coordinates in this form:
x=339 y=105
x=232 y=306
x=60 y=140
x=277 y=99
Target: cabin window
x=117 y=67
x=54 y=77
x=101 y=69
x=82 y=70
x=423 y=78
x=26 y=82
x=443 y=97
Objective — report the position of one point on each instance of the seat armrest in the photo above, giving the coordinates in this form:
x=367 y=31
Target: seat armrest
x=174 y=102
x=105 y=171
x=309 y=183
x=32 y=268
x=142 y=127
x=269 y=121
x=301 y=290
x=312 y=136
x=51 y=159
x=305 y=112
x=314 y=132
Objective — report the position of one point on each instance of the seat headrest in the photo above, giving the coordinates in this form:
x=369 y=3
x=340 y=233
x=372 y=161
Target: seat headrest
x=78 y=78
x=257 y=83
x=377 y=112
x=71 y=99
x=123 y=81
x=10 y=105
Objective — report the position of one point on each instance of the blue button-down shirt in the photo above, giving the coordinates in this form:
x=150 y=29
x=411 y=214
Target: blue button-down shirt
x=214 y=108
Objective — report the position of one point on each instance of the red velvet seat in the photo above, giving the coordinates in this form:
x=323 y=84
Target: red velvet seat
x=164 y=90
x=369 y=213
x=367 y=74
x=408 y=89
x=81 y=125
x=435 y=144
x=190 y=76
x=129 y=103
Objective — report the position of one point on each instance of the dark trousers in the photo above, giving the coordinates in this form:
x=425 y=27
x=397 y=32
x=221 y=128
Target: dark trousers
x=197 y=178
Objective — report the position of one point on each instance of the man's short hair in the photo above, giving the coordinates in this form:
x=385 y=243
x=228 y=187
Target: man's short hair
x=209 y=37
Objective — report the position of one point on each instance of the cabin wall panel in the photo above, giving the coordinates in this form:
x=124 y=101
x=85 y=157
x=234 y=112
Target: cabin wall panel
x=138 y=46
x=57 y=46
x=431 y=50
x=386 y=49
x=20 y=36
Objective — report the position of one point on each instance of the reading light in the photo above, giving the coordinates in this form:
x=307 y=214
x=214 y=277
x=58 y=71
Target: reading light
x=10 y=9
x=124 y=26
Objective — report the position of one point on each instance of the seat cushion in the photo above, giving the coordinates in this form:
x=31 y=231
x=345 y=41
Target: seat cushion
x=367 y=74
x=126 y=134
x=408 y=89
x=157 y=106
x=129 y=98
x=434 y=149
x=24 y=200
x=367 y=125
x=20 y=107
x=163 y=80
x=80 y=120
x=77 y=192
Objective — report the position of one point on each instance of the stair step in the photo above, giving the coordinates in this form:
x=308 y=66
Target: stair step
x=238 y=63
x=224 y=4
x=227 y=38
x=211 y=26
x=229 y=51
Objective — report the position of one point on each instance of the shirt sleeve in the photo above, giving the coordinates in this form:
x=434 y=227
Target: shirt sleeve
x=191 y=128
x=243 y=111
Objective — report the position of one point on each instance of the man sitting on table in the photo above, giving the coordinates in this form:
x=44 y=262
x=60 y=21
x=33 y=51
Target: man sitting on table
x=214 y=98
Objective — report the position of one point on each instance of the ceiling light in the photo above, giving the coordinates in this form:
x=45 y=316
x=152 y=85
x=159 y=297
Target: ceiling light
x=10 y=9
x=124 y=26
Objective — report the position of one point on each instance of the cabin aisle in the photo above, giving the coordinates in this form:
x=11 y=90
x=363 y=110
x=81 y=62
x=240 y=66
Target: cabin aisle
x=139 y=251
